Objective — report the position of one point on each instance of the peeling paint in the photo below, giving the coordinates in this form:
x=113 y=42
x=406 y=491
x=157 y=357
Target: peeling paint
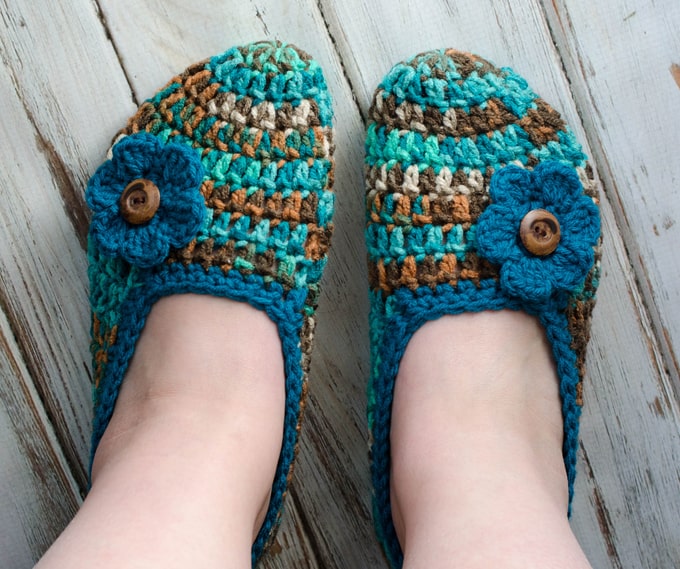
x=71 y=197
x=657 y=407
x=675 y=72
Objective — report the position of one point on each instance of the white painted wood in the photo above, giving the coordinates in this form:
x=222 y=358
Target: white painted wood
x=62 y=92
x=42 y=275
x=623 y=60
x=38 y=495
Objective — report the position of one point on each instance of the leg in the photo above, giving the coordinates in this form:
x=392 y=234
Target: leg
x=183 y=473
x=478 y=478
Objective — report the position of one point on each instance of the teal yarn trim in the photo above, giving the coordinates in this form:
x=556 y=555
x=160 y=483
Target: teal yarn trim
x=405 y=312
x=285 y=310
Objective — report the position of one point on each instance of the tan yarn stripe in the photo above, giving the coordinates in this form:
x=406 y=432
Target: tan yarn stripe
x=445 y=185
x=388 y=277
x=446 y=197
x=148 y=118
x=207 y=254
x=264 y=115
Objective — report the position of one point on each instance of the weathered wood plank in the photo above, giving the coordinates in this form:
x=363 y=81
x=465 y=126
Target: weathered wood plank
x=59 y=101
x=630 y=464
x=157 y=39
x=630 y=406
x=620 y=61
x=38 y=495
x=42 y=276
x=623 y=61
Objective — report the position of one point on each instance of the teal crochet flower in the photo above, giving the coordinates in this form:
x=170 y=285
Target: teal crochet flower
x=556 y=188
x=174 y=172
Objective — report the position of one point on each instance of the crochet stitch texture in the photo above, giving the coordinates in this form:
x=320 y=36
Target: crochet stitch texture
x=240 y=147
x=457 y=152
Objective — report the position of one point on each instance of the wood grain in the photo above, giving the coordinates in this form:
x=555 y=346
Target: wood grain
x=623 y=59
x=38 y=494
x=60 y=100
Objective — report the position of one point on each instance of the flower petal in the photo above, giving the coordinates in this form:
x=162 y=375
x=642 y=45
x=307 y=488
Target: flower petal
x=527 y=278
x=511 y=186
x=107 y=229
x=583 y=220
x=180 y=166
x=133 y=156
x=144 y=247
x=103 y=189
x=570 y=263
x=184 y=223
x=559 y=185
x=497 y=231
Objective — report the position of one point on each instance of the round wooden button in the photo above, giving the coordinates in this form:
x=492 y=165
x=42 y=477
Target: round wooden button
x=140 y=201
x=540 y=232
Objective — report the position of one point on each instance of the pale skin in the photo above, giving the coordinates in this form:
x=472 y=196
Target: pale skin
x=183 y=473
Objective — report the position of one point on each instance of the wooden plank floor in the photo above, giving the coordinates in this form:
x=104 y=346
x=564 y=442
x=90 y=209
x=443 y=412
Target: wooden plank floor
x=72 y=71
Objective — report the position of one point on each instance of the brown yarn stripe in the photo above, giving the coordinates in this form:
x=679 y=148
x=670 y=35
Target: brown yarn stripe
x=294 y=209
x=428 y=272
x=466 y=63
x=282 y=64
x=437 y=211
x=541 y=124
x=207 y=254
x=102 y=340
x=579 y=313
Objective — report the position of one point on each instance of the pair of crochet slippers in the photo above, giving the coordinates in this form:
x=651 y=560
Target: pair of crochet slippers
x=478 y=198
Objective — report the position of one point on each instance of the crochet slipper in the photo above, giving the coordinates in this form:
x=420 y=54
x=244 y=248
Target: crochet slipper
x=478 y=198
x=220 y=184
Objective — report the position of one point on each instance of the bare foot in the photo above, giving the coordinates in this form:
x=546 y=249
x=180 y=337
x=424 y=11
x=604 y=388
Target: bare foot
x=478 y=479
x=186 y=465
